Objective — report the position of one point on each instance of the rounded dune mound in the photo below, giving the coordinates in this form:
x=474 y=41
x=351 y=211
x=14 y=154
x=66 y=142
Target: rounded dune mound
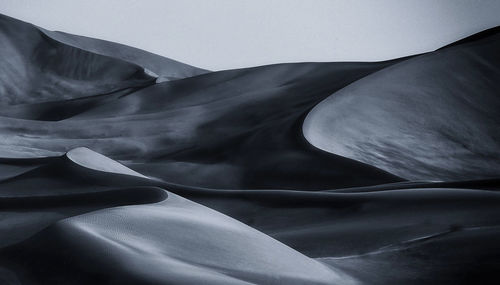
x=432 y=117
x=175 y=241
x=96 y=161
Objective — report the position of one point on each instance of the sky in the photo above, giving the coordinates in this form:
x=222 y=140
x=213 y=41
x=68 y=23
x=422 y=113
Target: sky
x=226 y=34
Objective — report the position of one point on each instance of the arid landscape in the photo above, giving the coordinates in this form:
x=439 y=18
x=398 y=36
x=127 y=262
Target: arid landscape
x=119 y=166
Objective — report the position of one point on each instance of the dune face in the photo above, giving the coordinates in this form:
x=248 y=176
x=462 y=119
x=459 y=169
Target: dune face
x=165 y=68
x=175 y=241
x=31 y=69
x=96 y=161
x=433 y=117
x=118 y=166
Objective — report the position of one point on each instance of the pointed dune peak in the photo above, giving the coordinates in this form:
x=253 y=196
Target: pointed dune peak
x=166 y=68
x=96 y=161
x=36 y=68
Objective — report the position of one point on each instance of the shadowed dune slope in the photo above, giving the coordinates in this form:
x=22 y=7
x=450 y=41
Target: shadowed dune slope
x=432 y=117
x=196 y=131
x=35 y=68
x=165 y=68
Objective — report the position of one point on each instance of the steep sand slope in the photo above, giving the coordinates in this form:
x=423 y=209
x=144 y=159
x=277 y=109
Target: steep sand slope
x=96 y=161
x=165 y=68
x=36 y=68
x=433 y=117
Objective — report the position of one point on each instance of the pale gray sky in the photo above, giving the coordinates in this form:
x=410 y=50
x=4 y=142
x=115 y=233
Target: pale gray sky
x=222 y=34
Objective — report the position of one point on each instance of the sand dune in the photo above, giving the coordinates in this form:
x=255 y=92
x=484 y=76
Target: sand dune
x=206 y=125
x=165 y=68
x=176 y=241
x=433 y=117
x=96 y=161
x=184 y=224
x=31 y=69
x=307 y=173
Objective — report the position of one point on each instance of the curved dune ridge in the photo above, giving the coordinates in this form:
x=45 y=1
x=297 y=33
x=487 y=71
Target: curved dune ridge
x=93 y=160
x=118 y=166
x=163 y=68
x=176 y=241
x=433 y=117
x=31 y=70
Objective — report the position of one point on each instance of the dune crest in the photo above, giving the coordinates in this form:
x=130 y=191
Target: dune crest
x=176 y=241
x=166 y=68
x=93 y=160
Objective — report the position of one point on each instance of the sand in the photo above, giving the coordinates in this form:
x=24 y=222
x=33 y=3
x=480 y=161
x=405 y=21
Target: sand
x=118 y=166
x=432 y=117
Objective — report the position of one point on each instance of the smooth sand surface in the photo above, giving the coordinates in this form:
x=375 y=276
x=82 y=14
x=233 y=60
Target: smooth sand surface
x=432 y=117
x=96 y=161
x=163 y=68
x=118 y=166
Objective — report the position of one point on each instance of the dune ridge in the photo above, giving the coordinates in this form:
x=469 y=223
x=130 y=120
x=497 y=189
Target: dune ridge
x=432 y=117
x=164 y=69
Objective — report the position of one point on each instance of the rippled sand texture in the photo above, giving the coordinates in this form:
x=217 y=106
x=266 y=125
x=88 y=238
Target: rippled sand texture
x=118 y=166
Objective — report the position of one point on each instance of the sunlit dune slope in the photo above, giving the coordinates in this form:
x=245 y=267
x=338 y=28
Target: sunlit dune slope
x=432 y=117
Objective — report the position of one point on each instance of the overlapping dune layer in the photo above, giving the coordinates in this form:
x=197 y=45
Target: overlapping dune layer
x=118 y=166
